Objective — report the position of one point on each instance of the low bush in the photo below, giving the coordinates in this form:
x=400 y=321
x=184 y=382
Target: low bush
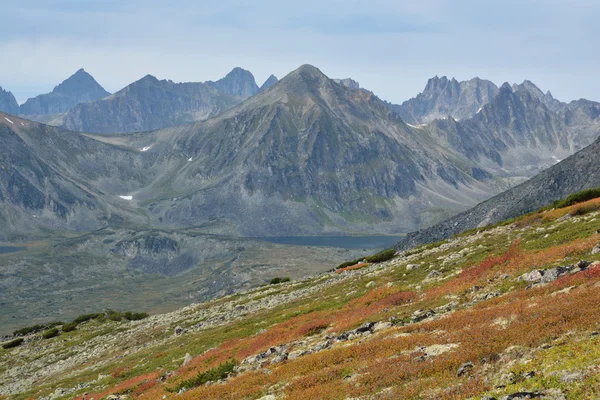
x=69 y=327
x=277 y=280
x=114 y=315
x=578 y=197
x=349 y=263
x=382 y=256
x=12 y=343
x=36 y=328
x=50 y=333
x=135 y=316
x=212 y=375
x=29 y=329
x=86 y=317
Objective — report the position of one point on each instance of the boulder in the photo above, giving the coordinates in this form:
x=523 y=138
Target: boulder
x=596 y=249
x=533 y=276
x=382 y=325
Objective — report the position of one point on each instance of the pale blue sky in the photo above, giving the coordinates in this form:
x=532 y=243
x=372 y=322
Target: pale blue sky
x=390 y=46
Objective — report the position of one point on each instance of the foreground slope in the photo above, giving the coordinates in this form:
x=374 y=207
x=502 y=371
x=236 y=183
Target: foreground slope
x=579 y=171
x=508 y=312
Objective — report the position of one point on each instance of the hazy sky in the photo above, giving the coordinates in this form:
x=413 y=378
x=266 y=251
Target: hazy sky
x=390 y=46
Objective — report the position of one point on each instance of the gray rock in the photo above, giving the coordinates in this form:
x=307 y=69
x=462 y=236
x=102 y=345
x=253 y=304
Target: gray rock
x=596 y=249
x=187 y=359
x=523 y=395
x=464 y=369
x=533 y=276
x=420 y=315
x=382 y=325
x=433 y=274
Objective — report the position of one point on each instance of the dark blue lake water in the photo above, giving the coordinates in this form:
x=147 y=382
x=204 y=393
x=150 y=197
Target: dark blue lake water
x=8 y=249
x=344 y=242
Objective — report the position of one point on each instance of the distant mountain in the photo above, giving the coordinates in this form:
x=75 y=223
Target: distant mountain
x=81 y=87
x=307 y=156
x=238 y=82
x=8 y=103
x=271 y=80
x=516 y=134
x=444 y=98
x=546 y=98
x=150 y=103
x=577 y=172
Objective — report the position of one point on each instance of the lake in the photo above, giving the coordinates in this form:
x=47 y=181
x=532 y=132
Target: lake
x=8 y=249
x=344 y=242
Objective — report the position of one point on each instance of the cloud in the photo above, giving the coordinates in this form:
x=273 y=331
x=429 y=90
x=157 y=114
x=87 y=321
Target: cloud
x=390 y=47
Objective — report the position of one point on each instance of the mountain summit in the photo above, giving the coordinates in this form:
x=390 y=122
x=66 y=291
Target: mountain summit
x=238 y=82
x=81 y=87
x=8 y=103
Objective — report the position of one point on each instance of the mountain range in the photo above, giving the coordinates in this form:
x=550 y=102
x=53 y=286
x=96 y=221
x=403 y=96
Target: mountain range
x=320 y=156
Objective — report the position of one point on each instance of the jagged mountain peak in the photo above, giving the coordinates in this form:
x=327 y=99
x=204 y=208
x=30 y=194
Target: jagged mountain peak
x=8 y=103
x=238 y=82
x=444 y=97
x=271 y=80
x=546 y=98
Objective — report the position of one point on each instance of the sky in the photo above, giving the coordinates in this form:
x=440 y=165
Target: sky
x=389 y=46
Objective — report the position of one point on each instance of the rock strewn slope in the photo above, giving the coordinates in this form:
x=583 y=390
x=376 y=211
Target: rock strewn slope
x=579 y=171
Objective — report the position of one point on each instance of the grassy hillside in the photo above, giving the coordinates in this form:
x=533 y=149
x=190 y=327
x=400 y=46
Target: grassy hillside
x=508 y=311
